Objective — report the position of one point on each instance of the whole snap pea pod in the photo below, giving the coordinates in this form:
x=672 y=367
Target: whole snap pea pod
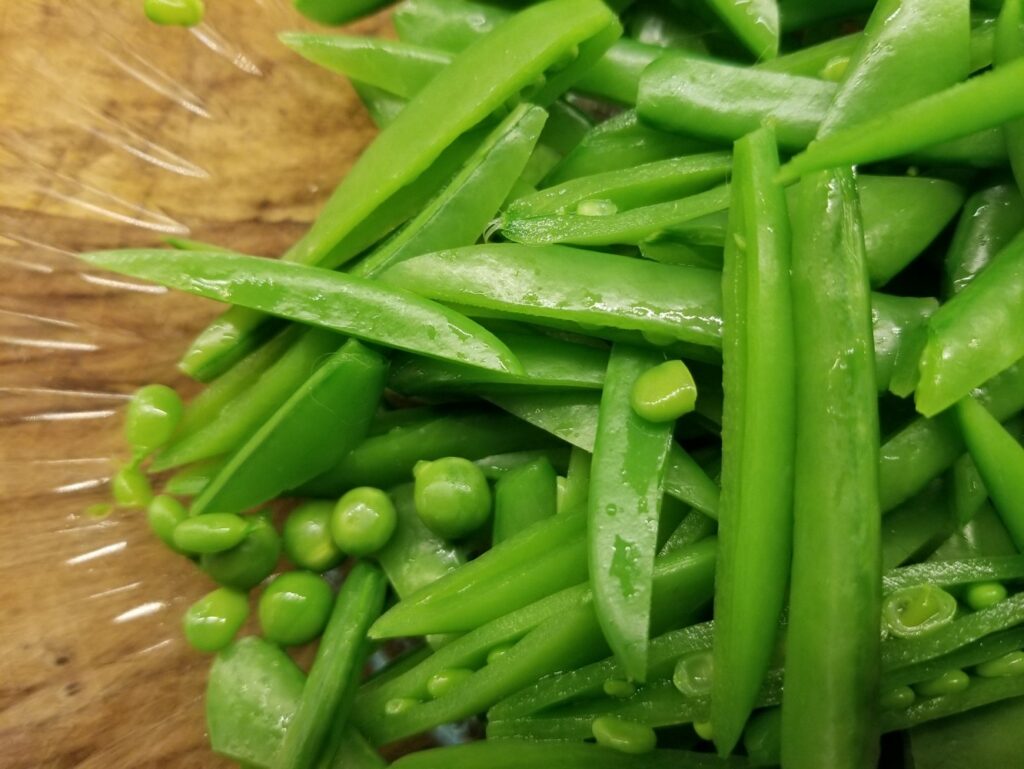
x=831 y=678
x=624 y=505
x=1009 y=47
x=956 y=572
x=976 y=334
x=991 y=218
x=899 y=321
x=818 y=60
x=986 y=648
x=986 y=101
x=983 y=536
x=911 y=48
x=522 y=497
x=333 y=300
x=327 y=416
x=241 y=415
x=388 y=459
x=755 y=521
x=336 y=12
x=576 y=490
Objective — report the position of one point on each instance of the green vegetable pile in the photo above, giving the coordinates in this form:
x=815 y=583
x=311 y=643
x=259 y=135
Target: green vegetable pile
x=657 y=373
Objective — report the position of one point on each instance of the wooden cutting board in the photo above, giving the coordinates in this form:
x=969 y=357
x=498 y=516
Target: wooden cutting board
x=114 y=132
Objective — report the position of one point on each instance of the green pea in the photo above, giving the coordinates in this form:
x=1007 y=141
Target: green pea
x=704 y=730
x=917 y=610
x=307 y=536
x=176 y=13
x=294 y=608
x=250 y=561
x=693 y=672
x=897 y=698
x=164 y=514
x=130 y=487
x=618 y=688
x=210 y=533
x=444 y=681
x=363 y=521
x=399 y=705
x=153 y=415
x=498 y=652
x=1008 y=665
x=950 y=682
x=212 y=621
x=624 y=736
x=452 y=497
x=981 y=595
x=665 y=392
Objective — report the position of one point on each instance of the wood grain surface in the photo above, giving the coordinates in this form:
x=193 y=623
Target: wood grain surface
x=114 y=132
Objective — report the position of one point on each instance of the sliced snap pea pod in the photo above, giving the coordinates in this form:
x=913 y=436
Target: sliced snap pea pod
x=980 y=692
x=983 y=536
x=333 y=300
x=388 y=459
x=989 y=737
x=334 y=12
x=958 y=572
x=986 y=101
x=991 y=218
x=910 y=49
x=831 y=675
x=986 y=648
x=917 y=526
x=323 y=420
x=797 y=14
x=1009 y=47
x=624 y=504
x=192 y=479
x=337 y=662
x=899 y=325
x=755 y=515
x=522 y=497
x=816 y=60
x=498 y=465
x=756 y=24
x=976 y=334
x=548 y=362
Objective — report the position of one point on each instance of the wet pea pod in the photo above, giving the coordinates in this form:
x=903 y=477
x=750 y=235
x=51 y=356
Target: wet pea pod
x=522 y=497
x=990 y=219
x=1009 y=48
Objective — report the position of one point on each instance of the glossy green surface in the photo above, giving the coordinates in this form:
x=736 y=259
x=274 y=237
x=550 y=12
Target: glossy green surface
x=164 y=513
x=918 y=610
x=212 y=622
x=363 y=521
x=453 y=497
x=210 y=533
x=294 y=608
x=664 y=392
x=624 y=736
x=176 y=13
x=306 y=536
x=250 y=561
x=130 y=487
x=523 y=496
x=151 y=419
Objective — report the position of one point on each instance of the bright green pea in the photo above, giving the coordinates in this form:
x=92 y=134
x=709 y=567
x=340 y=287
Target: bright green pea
x=212 y=621
x=624 y=736
x=153 y=415
x=1008 y=665
x=164 y=514
x=399 y=705
x=897 y=698
x=130 y=487
x=498 y=652
x=950 y=682
x=704 y=730
x=363 y=521
x=452 y=497
x=917 y=610
x=210 y=533
x=250 y=561
x=618 y=688
x=294 y=608
x=444 y=681
x=307 y=536
x=693 y=672
x=665 y=392
x=177 y=13
x=981 y=595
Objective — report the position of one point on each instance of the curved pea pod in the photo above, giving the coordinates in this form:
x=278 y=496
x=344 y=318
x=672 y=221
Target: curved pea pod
x=334 y=12
x=310 y=295
x=388 y=459
x=818 y=60
x=990 y=219
x=756 y=24
x=755 y=514
x=982 y=102
x=976 y=334
x=624 y=504
x=1009 y=47
x=911 y=48
x=323 y=419
x=523 y=496
x=899 y=324
x=684 y=303
x=831 y=676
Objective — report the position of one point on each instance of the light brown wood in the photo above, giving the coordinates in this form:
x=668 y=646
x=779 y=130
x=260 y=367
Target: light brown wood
x=93 y=670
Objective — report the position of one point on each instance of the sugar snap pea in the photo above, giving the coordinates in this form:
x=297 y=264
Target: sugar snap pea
x=990 y=219
x=1009 y=46
x=522 y=497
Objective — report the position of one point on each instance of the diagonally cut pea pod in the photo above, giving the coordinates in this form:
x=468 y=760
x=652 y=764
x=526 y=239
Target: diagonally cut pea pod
x=333 y=300
x=325 y=417
x=624 y=504
x=991 y=218
x=523 y=496
x=756 y=24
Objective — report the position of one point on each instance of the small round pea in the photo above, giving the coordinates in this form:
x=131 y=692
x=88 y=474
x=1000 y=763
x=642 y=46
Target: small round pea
x=619 y=688
x=452 y=497
x=917 y=610
x=307 y=536
x=164 y=514
x=130 y=487
x=981 y=595
x=1008 y=665
x=178 y=13
x=295 y=607
x=250 y=561
x=153 y=414
x=664 y=392
x=704 y=730
x=398 y=705
x=693 y=673
x=897 y=698
x=210 y=533
x=363 y=521
x=950 y=682
x=623 y=736
x=444 y=681
x=212 y=621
